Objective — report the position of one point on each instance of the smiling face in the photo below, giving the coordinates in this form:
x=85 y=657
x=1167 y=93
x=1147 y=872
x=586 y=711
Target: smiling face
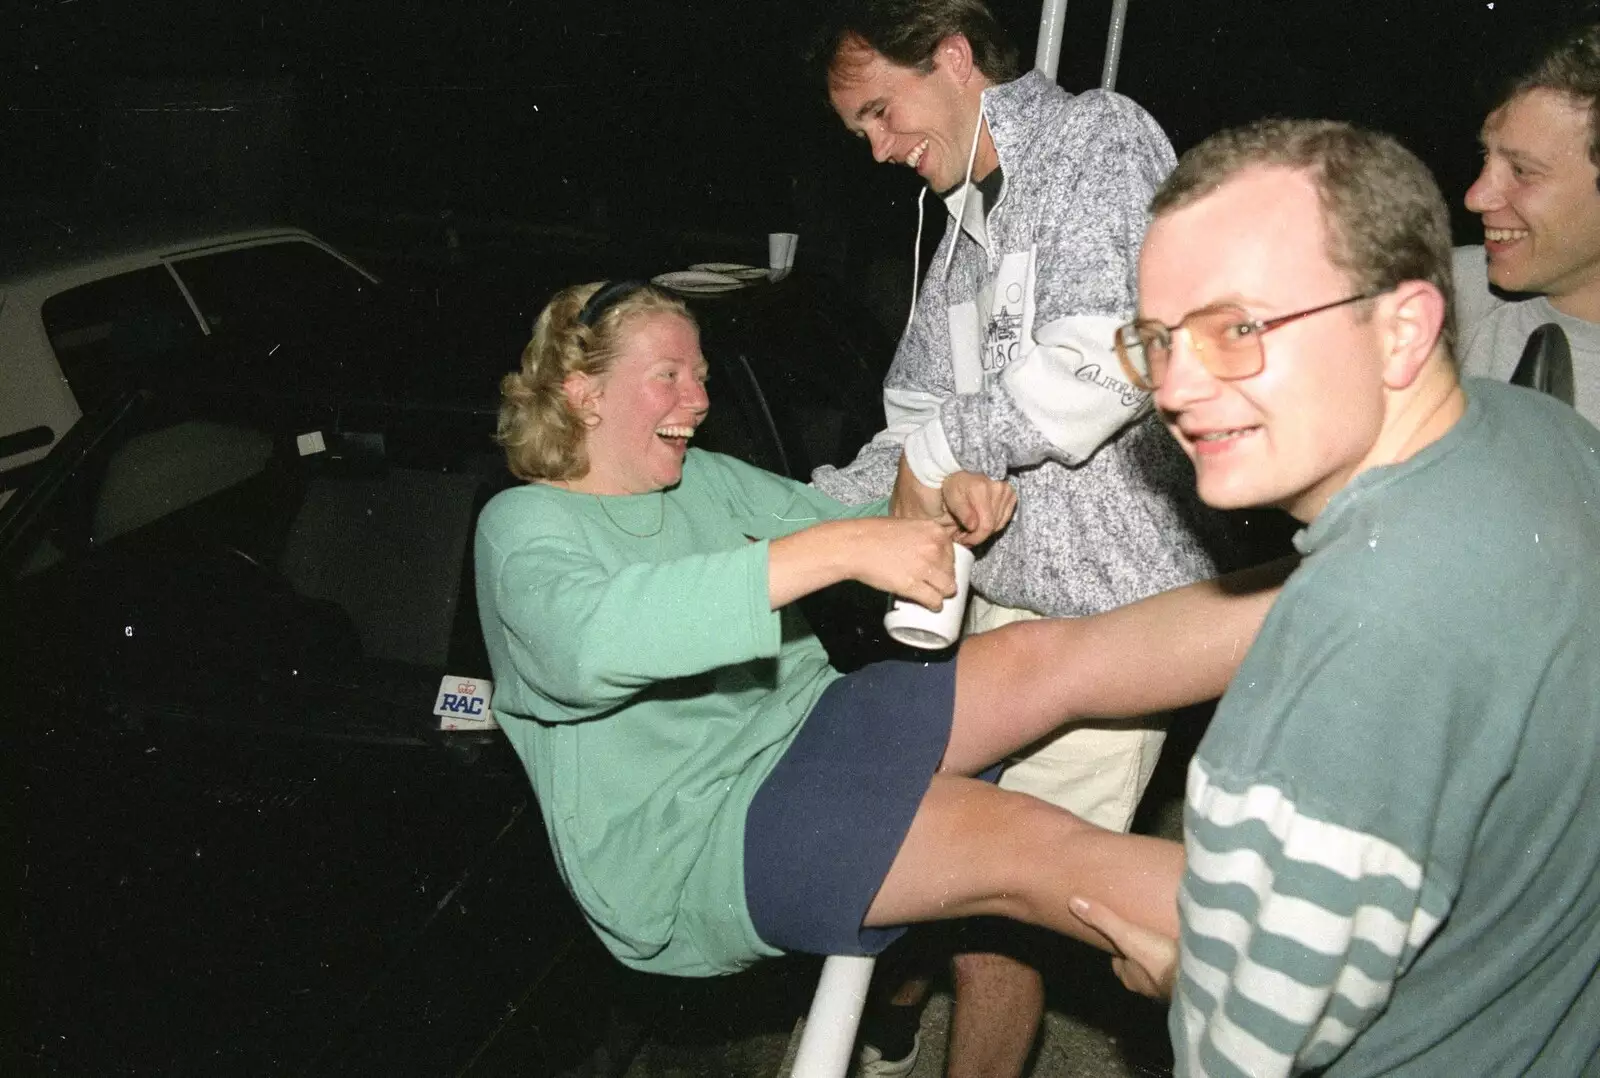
x=922 y=120
x=1293 y=434
x=645 y=407
x=1539 y=202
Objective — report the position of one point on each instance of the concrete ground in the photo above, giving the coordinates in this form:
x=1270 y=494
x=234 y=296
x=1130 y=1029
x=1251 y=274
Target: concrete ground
x=1093 y=1028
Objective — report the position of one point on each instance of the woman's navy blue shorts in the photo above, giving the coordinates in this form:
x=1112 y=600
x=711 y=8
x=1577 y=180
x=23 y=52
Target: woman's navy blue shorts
x=824 y=828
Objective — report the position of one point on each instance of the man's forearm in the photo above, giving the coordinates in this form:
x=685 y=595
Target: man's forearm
x=914 y=499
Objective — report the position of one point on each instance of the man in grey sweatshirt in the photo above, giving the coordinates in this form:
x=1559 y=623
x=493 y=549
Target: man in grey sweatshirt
x=1006 y=368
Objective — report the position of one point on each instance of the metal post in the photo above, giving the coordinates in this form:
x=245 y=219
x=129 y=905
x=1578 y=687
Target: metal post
x=830 y=1031
x=1119 y=17
x=1047 y=57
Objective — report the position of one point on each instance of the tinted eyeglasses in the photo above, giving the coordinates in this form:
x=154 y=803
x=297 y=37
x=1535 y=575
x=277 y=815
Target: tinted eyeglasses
x=1224 y=337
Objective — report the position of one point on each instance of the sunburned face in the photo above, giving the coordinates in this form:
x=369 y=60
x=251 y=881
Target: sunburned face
x=924 y=121
x=1539 y=202
x=1293 y=434
x=646 y=407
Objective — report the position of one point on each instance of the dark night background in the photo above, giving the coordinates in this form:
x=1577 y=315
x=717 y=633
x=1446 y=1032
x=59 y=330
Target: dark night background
x=655 y=119
x=663 y=131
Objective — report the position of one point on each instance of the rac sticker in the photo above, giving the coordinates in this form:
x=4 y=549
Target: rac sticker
x=463 y=703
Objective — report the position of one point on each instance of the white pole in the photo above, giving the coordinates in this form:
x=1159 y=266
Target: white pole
x=830 y=1031
x=1047 y=57
x=1119 y=18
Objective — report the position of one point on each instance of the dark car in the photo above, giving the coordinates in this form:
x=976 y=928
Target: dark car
x=242 y=841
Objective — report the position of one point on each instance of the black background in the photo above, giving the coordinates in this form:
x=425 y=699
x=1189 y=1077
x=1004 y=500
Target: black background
x=652 y=117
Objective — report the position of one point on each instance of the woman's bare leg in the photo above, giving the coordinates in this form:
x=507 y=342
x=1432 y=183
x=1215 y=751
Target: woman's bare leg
x=974 y=849
x=1020 y=682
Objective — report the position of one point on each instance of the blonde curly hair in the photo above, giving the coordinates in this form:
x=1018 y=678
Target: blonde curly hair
x=542 y=434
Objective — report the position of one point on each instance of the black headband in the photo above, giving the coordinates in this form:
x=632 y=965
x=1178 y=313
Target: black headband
x=607 y=296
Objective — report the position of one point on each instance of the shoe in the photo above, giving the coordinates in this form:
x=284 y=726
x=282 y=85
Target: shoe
x=871 y=1064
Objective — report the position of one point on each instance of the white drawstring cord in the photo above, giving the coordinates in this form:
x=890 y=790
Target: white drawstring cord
x=916 y=264
x=966 y=191
x=961 y=216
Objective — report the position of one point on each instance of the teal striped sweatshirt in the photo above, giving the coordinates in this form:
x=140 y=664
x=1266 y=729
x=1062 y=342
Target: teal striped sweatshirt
x=1393 y=822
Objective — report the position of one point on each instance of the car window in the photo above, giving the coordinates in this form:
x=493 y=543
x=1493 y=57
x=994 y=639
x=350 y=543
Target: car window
x=217 y=522
x=163 y=471
x=738 y=423
x=822 y=396
x=258 y=292
x=107 y=331
x=145 y=477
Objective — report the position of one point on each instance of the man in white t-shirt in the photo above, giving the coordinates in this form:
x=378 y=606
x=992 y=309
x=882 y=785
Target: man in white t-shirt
x=1539 y=197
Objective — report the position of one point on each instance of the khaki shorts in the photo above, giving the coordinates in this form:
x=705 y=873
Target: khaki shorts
x=1097 y=771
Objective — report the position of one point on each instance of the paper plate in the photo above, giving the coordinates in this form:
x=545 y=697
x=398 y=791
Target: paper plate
x=698 y=281
x=736 y=270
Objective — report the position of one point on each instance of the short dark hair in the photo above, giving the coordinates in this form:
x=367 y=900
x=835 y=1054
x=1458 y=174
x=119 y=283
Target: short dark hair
x=1386 y=220
x=1569 y=64
x=908 y=32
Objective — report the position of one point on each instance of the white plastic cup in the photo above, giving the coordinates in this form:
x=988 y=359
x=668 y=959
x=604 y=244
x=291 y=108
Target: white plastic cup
x=780 y=251
x=915 y=625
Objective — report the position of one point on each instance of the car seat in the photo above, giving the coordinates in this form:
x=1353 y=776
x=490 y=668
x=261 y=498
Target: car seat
x=390 y=550
x=1546 y=363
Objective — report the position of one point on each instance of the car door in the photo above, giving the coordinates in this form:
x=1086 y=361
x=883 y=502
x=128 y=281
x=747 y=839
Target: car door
x=248 y=847
x=810 y=379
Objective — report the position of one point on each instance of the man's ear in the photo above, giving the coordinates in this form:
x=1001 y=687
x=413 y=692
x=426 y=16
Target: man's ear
x=1413 y=317
x=582 y=392
x=954 y=55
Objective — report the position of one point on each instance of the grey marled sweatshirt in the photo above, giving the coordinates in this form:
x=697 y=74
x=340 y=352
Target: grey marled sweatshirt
x=1007 y=366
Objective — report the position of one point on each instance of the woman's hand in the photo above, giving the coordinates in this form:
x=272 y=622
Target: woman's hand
x=1145 y=962
x=979 y=506
x=913 y=559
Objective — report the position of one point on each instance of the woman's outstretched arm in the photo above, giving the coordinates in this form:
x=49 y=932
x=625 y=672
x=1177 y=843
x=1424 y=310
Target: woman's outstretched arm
x=907 y=554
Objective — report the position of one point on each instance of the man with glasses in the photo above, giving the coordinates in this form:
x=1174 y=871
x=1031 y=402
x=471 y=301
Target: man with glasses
x=1392 y=825
x=1539 y=197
